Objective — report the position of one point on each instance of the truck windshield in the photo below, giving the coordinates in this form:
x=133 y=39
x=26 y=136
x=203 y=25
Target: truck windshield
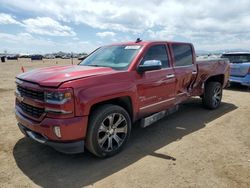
x=237 y=58
x=116 y=57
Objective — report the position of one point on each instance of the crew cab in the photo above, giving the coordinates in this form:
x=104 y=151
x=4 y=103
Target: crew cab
x=240 y=67
x=95 y=104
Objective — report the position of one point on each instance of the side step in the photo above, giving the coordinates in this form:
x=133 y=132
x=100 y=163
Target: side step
x=157 y=116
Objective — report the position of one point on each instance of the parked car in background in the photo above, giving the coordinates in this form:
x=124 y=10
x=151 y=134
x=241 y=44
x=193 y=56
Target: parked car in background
x=49 y=56
x=12 y=57
x=3 y=58
x=240 y=67
x=36 y=57
x=68 y=56
x=24 y=55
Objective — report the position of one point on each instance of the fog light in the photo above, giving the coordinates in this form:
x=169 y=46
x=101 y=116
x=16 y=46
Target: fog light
x=57 y=131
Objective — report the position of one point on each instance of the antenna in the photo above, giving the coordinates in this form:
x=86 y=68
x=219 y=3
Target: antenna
x=138 y=40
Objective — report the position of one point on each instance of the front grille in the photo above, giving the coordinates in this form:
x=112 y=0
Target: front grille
x=34 y=94
x=31 y=110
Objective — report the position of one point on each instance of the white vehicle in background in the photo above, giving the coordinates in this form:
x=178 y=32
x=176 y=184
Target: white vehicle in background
x=49 y=56
x=240 y=67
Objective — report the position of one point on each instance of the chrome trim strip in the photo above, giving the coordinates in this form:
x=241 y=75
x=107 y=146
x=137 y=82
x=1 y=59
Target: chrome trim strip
x=56 y=102
x=142 y=108
x=57 y=111
x=175 y=67
x=35 y=138
x=183 y=93
x=170 y=76
x=18 y=81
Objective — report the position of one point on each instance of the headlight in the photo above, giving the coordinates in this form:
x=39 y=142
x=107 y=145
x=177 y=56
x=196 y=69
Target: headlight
x=58 y=97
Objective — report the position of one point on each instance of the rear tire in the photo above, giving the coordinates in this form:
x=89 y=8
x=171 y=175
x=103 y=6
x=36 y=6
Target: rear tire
x=108 y=130
x=212 y=95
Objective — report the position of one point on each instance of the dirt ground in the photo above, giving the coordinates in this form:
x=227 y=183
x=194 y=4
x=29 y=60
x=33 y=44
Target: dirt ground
x=194 y=147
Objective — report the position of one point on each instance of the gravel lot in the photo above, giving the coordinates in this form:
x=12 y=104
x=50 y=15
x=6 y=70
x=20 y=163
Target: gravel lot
x=194 y=147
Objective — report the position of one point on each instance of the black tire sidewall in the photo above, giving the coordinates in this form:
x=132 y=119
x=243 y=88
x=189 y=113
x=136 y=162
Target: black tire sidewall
x=96 y=119
x=209 y=93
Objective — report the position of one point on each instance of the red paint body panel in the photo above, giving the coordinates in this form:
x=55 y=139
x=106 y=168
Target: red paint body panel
x=72 y=129
x=54 y=76
x=149 y=92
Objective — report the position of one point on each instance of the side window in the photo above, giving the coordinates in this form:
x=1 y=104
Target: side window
x=182 y=54
x=157 y=52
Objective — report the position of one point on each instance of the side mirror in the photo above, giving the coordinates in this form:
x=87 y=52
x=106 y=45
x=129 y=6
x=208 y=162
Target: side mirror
x=149 y=65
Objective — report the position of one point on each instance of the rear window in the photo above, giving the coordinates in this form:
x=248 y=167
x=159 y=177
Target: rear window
x=183 y=54
x=237 y=58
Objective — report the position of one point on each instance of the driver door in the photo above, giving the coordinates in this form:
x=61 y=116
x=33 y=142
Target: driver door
x=156 y=88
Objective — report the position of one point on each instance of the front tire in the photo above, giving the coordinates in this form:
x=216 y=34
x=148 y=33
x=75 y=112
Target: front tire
x=108 y=130
x=212 y=95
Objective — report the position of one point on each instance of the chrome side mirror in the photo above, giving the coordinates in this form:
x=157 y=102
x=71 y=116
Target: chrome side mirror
x=149 y=65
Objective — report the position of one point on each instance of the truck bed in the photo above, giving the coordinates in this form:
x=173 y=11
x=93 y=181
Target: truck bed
x=207 y=68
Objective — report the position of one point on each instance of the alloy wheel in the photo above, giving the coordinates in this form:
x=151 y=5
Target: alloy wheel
x=112 y=132
x=217 y=95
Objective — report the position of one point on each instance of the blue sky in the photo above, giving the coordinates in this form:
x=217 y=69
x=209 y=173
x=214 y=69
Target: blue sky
x=42 y=26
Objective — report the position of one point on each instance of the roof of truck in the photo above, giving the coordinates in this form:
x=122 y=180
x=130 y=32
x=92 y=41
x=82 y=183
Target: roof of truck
x=147 y=42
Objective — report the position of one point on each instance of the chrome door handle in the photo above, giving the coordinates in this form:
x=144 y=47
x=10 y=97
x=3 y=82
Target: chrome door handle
x=194 y=72
x=170 y=76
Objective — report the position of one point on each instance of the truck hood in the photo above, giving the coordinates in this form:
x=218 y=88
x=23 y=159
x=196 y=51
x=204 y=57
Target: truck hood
x=54 y=76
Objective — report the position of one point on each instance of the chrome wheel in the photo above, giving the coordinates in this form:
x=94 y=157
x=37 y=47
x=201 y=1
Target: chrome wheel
x=112 y=132
x=217 y=95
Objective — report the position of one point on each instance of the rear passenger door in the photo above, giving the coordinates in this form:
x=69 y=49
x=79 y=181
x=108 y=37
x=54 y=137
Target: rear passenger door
x=184 y=68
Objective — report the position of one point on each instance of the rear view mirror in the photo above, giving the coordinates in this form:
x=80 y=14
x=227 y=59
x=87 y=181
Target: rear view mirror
x=149 y=65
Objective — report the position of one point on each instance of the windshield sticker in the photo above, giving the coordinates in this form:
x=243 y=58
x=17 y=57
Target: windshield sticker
x=132 y=47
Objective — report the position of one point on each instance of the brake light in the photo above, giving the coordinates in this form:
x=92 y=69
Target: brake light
x=249 y=70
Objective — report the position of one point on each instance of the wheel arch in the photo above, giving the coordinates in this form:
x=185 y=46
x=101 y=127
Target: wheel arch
x=216 y=78
x=125 y=102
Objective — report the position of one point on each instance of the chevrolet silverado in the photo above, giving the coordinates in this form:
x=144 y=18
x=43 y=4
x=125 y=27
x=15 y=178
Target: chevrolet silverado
x=95 y=104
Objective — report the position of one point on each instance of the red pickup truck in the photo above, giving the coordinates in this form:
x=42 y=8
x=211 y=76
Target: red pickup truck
x=94 y=104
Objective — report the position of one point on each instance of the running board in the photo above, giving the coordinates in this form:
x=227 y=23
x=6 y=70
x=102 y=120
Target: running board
x=157 y=116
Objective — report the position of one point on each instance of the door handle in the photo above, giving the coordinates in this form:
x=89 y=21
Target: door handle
x=194 y=72
x=170 y=76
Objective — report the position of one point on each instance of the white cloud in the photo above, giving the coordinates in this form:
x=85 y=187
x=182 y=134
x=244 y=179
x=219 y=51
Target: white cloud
x=8 y=19
x=39 y=25
x=23 y=38
x=97 y=14
x=31 y=44
x=206 y=23
x=47 y=26
x=105 y=34
x=11 y=43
